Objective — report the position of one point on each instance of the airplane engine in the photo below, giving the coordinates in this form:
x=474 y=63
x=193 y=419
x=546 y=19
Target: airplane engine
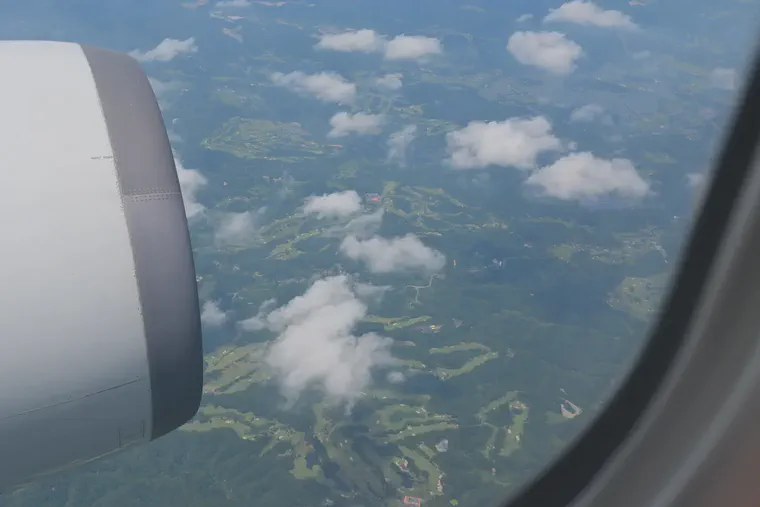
x=100 y=336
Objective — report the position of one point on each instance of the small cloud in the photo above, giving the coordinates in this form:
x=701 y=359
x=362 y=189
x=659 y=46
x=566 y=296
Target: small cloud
x=550 y=51
x=236 y=228
x=233 y=3
x=642 y=55
x=173 y=136
x=374 y=293
x=402 y=47
x=258 y=321
x=524 y=18
x=316 y=348
x=167 y=50
x=353 y=41
x=398 y=144
x=582 y=176
x=515 y=142
x=325 y=86
x=389 y=82
x=590 y=113
x=724 y=79
x=695 y=180
x=336 y=205
x=364 y=226
x=402 y=254
x=212 y=315
x=344 y=124
x=164 y=91
x=582 y=12
x=412 y=47
x=190 y=181
x=161 y=88
x=395 y=377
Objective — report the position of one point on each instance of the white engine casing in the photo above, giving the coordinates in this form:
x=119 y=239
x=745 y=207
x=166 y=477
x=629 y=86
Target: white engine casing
x=100 y=338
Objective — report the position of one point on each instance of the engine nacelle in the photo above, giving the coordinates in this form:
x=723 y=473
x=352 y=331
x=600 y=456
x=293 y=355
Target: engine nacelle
x=100 y=337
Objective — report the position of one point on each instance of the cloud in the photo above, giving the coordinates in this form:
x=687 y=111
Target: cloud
x=412 y=47
x=381 y=255
x=353 y=41
x=695 y=180
x=550 y=51
x=389 y=82
x=398 y=142
x=190 y=181
x=335 y=205
x=373 y=293
x=524 y=18
x=316 y=347
x=167 y=50
x=582 y=12
x=258 y=321
x=163 y=91
x=161 y=88
x=401 y=47
x=364 y=226
x=582 y=176
x=233 y=3
x=724 y=79
x=515 y=142
x=212 y=315
x=589 y=113
x=325 y=86
x=236 y=228
x=395 y=377
x=344 y=123
x=642 y=55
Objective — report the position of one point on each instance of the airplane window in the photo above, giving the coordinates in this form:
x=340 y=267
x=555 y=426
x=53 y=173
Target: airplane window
x=430 y=237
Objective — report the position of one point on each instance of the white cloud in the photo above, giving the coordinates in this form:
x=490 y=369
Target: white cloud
x=233 y=3
x=163 y=90
x=583 y=176
x=412 y=47
x=167 y=50
x=725 y=79
x=325 y=86
x=398 y=143
x=401 y=47
x=515 y=142
x=190 y=181
x=524 y=18
x=344 y=123
x=364 y=226
x=335 y=205
x=373 y=293
x=395 y=377
x=316 y=347
x=381 y=255
x=389 y=82
x=587 y=113
x=361 y=41
x=642 y=55
x=258 y=321
x=173 y=136
x=695 y=180
x=212 y=315
x=550 y=51
x=236 y=228
x=582 y=12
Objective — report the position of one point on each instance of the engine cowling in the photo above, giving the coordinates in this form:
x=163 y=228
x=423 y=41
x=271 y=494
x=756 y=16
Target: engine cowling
x=100 y=336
